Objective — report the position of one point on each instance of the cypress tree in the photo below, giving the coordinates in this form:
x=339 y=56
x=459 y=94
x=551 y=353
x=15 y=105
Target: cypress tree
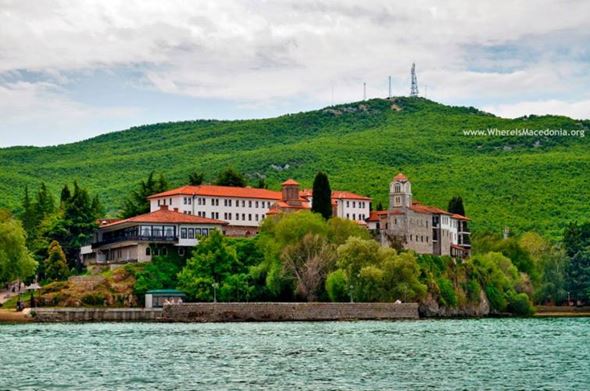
x=28 y=216
x=456 y=206
x=137 y=202
x=379 y=206
x=65 y=195
x=322 y=196
x=45 y=204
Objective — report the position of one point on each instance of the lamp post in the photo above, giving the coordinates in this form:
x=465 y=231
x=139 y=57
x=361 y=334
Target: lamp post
x=215 y=285
x=33 y=288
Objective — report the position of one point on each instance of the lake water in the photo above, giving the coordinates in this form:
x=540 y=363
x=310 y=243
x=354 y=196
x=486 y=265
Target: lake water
x=437 y=354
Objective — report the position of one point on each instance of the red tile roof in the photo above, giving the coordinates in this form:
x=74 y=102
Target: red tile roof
x=376 y=215
x=166 y=216
x=290 y=182
x=460 y=217
x=400 y=177
x=221 y=191
x=421 y=208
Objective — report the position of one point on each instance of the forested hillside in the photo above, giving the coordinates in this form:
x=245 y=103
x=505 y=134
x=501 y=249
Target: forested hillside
x=526 y=183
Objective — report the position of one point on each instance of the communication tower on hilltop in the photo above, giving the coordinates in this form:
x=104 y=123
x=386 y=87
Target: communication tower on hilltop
x=414 y=89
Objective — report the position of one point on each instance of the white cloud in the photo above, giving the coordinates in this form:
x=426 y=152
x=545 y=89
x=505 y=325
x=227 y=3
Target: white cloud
x=577 y=110
x=263 y=53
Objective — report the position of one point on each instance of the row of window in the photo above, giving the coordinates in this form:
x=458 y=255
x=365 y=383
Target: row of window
x=361 y=204
x=360 y=216
x=416 y=238
x=193 y=233
x=163 y=201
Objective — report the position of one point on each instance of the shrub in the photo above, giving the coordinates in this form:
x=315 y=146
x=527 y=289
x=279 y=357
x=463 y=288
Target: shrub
x=520 y=304
x=473 y=291
x=448 y=297
x=496 y=298
x=336 y=286
x=93 y=299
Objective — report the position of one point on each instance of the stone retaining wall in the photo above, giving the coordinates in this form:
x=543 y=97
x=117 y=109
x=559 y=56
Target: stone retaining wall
x=272 y=312
x=96 y=314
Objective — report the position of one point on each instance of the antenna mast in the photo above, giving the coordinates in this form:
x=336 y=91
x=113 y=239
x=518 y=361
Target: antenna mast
x=389 y=96
x=414 y=89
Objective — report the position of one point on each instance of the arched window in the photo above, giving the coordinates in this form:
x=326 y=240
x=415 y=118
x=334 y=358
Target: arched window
x=398 y=188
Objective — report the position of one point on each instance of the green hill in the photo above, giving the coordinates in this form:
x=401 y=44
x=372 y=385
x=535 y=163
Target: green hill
x=526 y=183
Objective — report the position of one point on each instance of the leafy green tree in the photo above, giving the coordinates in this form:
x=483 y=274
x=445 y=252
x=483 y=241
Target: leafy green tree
x=456 y=206
x=261 y=184
x=322 y=196
x=196 y=178
x=339 y=230
x=55 y=267
x=230 y=177
x=15 y=260
x=379 y=206
x=576 y=238
x=337 y=286
x=137 y=202
x=160 y=273
x=213 y=262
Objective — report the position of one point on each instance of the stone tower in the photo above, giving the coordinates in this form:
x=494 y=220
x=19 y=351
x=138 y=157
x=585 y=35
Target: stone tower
x=400 y=192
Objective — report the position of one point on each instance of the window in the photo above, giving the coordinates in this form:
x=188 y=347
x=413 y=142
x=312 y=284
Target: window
x=191 y=233
x=190 y=200
x=146 y=231
x=347 y=204
x=256 y=217
x=354 y=204
x=257 y=204
x=250 y=217
x=197 y=232
x=354 y=216
x=229 y=202
x=171 y=201
x=229 y=216
x=183 y=233
x=348 y=216
x=243 y=203
x=158 y=202
x=244 y=216
x=181 y=251
x=249 y=203
x=148 y=251
x=237 y=216
x=169 y=231
x=204 y=232
x=185 y=201
x=398 y=188
x=157 y=231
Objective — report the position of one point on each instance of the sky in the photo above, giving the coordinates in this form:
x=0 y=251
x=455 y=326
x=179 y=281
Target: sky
x=71 y=70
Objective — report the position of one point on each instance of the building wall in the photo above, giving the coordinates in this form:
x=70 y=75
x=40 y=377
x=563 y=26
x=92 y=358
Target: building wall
x=353 y=209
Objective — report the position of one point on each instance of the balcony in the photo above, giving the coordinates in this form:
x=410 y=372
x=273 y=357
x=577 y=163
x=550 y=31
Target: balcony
x=136 y=238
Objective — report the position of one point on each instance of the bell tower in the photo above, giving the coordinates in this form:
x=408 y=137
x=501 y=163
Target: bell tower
x=400 y=192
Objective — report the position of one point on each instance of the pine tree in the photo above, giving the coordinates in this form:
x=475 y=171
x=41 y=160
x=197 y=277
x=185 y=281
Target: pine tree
x=65 y=195
x=322 y=196
x=45 y=205
x=196 y=178
x=28 y=216
x=137 y=202
x=379 y=206
x=55 y=266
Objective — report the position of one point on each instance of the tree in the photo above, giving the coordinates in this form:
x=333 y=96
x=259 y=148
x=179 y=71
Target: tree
x=308 y=262
x=28 y=216
x=379 y=206
x=65 y=195
x=213 y=262
x=322 y=196
x=578 y=276
x=230 y=177
x=196 y=178
x=456 y=206
x=261 y=184
x=55 y=266
x=45 y=205
x=15 y=260
x=137 y=202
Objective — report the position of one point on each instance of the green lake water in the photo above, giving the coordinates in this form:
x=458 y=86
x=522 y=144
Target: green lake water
x=427 y=354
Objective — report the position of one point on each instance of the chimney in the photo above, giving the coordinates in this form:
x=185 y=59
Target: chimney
x=163 y=207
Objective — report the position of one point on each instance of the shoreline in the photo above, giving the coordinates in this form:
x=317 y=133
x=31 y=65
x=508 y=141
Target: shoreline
x=251 y=312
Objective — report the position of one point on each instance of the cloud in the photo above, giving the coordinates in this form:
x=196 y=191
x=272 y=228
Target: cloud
x=263 y=54
x=577 y=110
